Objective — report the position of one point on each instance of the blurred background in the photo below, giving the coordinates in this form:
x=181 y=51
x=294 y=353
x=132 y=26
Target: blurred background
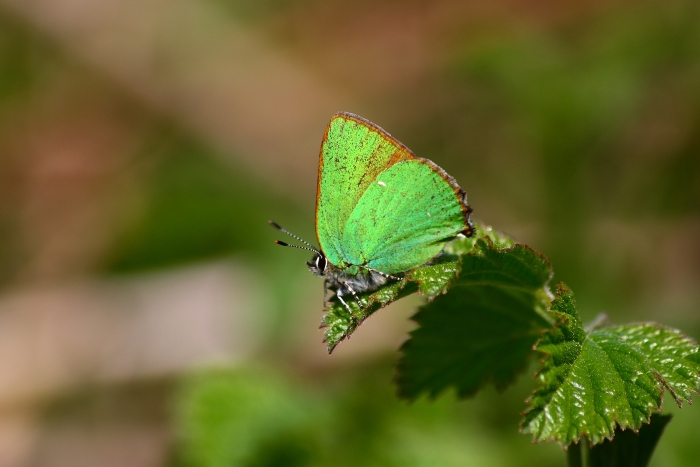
x=147 y=318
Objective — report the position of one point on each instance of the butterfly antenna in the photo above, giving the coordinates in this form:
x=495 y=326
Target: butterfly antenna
x=281 y=229
x=279 y=242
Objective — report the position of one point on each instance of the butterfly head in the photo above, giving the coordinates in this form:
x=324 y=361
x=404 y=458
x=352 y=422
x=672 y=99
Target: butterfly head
x=318 y=264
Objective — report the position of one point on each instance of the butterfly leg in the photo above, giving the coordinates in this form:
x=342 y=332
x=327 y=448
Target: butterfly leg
x=354 y=294
x=383 y=274
x=345 y=304
x=339 y=294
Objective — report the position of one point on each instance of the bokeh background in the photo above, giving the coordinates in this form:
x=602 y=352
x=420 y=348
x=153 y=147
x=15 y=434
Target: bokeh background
x=146 y=317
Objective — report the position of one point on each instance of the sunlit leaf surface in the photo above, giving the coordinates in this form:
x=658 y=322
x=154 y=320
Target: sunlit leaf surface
x=592 y=382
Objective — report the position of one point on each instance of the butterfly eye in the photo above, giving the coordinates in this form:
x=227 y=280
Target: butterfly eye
x=321 y=263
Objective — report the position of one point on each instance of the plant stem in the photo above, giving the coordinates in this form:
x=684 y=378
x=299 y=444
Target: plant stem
x=574 y=456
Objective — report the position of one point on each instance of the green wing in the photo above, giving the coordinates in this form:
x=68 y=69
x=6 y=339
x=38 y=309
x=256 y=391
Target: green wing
x=354 y=151
x=392 y=226
x=404 y=219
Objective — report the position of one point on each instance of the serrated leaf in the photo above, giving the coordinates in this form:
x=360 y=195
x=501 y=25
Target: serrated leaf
x=429 y=280
x=484 y=328
x=340 y=324
x=590 y=383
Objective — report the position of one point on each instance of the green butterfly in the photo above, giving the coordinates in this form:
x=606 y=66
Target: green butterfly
x=381 y=211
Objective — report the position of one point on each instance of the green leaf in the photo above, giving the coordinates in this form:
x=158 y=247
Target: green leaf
x=340 y=324
x=430 y=280
x=592 y=382
x=629 y=448
x=484 y=329
x=228 y=418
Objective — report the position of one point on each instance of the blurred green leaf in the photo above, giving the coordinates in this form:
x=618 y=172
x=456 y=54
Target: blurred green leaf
x=593 y=381
x=195 y=206
x=484 y=328
x=230 y=419
x=629 y=448
x=583 y=104
x=23 y=57
x=350 y=417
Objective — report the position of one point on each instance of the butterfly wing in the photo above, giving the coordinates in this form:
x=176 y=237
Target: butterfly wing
x=354 y=151
x=405 y=217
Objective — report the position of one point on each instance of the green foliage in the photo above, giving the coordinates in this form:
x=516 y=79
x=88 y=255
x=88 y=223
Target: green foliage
x=23 y=59
x=484 y=329
x=340 y=324
x=593 y=381
x=429 y=280
x=480 y=260
x=193 y=209
x=346 y=417
x=241 y=419
x=572 y=96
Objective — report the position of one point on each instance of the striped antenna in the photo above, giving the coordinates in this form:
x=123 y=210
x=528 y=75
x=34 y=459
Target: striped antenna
x=309 y=246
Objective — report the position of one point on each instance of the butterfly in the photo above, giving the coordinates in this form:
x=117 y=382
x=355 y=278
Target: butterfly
x=381 y=211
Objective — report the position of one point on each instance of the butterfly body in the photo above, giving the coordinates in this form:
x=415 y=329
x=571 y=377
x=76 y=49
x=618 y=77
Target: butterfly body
x=381 y=211
x=354 y=279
